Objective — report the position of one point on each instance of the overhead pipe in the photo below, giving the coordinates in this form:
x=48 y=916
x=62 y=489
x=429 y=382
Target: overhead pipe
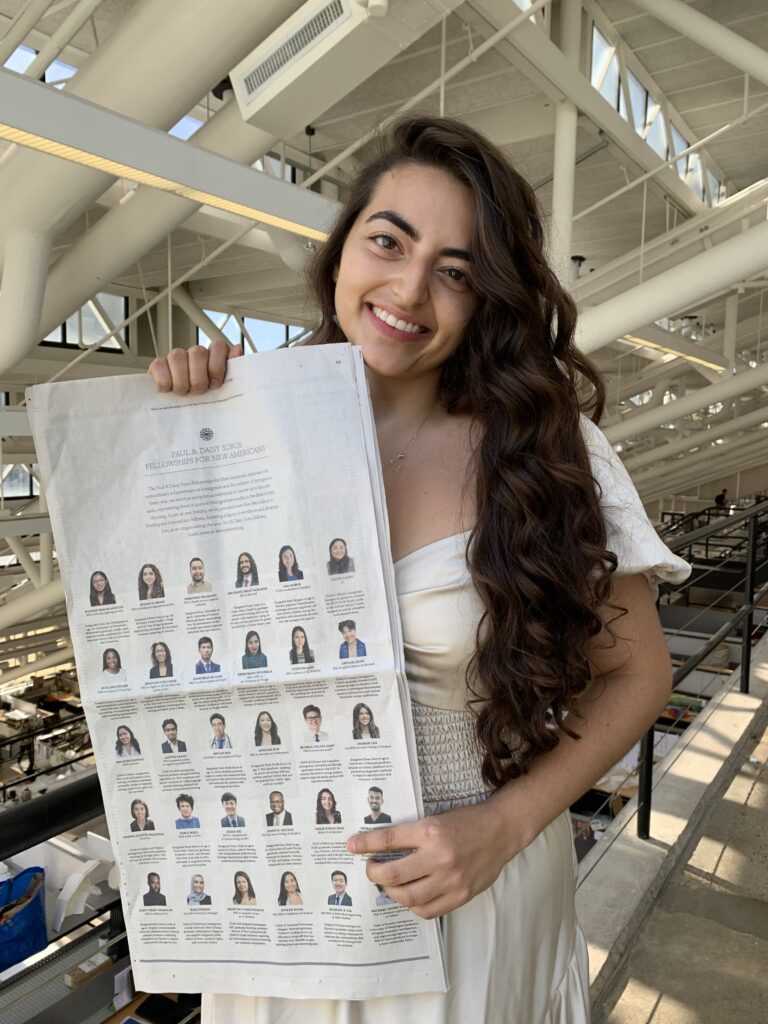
x=60 y=657
x=25 y=559
x=732 y=387
x=198 y=316
x=13 y=613
x=725 y=429
x=21 y=293
x=712 y=470
x=707 y=453
x=564 y=158
x=687 y=283
x=62 y=37
x=23 y=23
x=717 y=38
x=124 y=75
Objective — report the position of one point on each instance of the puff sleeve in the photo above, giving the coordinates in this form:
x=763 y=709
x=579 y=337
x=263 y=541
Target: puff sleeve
x=631 y=536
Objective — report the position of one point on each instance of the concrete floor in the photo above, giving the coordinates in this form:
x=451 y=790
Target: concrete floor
x=702 y=957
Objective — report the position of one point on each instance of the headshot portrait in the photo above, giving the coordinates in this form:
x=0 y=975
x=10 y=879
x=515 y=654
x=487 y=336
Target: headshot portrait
x=339 y=897
x=126 y=744
x=111 y=666
x=219 y=739
x=197 y=896
x=287 y=565
x=141 y=819
x=300 y=653
x=199 y=585
x=231 y=818
x=244 y=894
x=101 y=592
x=205 y=663
x=153 y=897
x=160 y=657
x=186 y=805
x=314 y=721
x=363 y=725
x=150 y=583
x=172 y=744
x=290 y=893
x=265 y=734
x=325 y=809
x=253 y=657
x=247 y=574
x=278 y=816
x=352 y=647
x=338 y=558
x=377 y=816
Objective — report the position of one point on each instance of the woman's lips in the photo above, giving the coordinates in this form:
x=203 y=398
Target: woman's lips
x=393 y=332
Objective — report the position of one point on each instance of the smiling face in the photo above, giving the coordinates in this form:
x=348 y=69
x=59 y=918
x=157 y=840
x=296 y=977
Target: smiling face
x=326 y=800
x=185 y=809
x=124 y=736
x=374 y=801
x=112 y=661
x=299 y=639
x=244 y=564
x=160 y=655
x=170 y=729
x=140 y=811
x=265 y=722
x=99 y=582
x=349 y=634
x=154 y=883
x=230 y=808
x=218 y=727
x=314 y=721
x=339 y=883
x=241 y=883
x=206 y=651
x=364 y=717
x=402 y=289
x=198 y=883
x=288 y=559
x=148 y=575
x=290 y=883
x=197 y=570
x=338 y=550
x=277 y=802
x=253 y=644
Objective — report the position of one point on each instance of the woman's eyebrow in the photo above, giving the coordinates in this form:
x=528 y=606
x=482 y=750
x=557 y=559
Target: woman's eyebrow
x=411 y=232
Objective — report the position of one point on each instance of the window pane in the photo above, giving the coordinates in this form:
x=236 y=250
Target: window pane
x=609 y=90
x=638 y=96
x=58 y=71
x=679 y=142
x=714 y=187
x=17 y=483
x=186 y=127
x=55 y=335
x=693 y=178
x=600 y=51
x=266 y=335
x=20 y=59
x=622 y=102
x=226 y=323
x=657 y=135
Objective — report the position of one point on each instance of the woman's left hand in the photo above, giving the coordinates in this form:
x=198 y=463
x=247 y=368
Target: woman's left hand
x=452 y=857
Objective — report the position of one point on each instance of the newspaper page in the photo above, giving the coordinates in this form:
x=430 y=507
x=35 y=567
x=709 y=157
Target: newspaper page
x=230 y=593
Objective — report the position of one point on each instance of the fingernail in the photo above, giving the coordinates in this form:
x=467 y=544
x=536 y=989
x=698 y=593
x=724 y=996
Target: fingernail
x=352 y=844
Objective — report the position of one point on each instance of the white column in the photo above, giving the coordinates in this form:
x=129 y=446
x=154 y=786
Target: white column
x=25 y=560
x=729 y=332
x=21 y=296
x=564 y=163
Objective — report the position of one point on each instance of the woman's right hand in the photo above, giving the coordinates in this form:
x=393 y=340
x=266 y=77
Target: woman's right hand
x=194 y=369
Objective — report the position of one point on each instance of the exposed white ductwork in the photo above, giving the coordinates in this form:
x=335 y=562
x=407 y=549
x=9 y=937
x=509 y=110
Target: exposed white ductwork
x=63 y=35
x=732 y=387
x=63 y=656
x=23 y=284
x=25 y=559
x=710 y=433
x=690 y=282
x=26 y=18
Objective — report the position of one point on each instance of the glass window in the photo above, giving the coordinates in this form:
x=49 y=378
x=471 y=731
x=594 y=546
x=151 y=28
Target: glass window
x=266 y=335
x=609 y=88
x=17 y=482
x=58 y=71
x=226 y=323
x=657 y=134
x=86 y=326
x=680 y=143
x=20 y=59
x=601 y=53
x=694 y=178
x=639 y=98
x=714 y=187
x=186 y=127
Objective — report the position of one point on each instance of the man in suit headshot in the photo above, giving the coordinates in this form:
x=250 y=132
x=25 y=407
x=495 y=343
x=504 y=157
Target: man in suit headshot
x=206 y=664
x=377 y=816
x=278 y=815
x=197 y=572
x=153 y=897
x=231 y=818
x=172 y=744
x=314 y=720
x=219 y=740
x=340 y=897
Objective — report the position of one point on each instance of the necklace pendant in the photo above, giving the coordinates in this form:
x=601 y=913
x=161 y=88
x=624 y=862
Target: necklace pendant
x=398 y=461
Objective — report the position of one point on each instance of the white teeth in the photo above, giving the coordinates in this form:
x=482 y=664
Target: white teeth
x=391 y=319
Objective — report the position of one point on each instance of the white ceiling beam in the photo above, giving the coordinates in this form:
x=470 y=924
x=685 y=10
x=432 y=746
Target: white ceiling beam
x=712 y=470
x=250 y=282
x=656 y=455
x=543 y=62
x=717 y=38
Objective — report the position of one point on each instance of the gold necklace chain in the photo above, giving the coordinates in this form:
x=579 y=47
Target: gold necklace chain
x=400 y=458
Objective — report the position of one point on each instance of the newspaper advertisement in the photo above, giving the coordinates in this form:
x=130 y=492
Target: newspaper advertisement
x=230 y=593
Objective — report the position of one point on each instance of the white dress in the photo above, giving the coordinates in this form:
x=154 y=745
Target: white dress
x=515 y=953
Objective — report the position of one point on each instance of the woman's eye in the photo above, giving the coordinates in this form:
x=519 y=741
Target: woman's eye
x=454 y=274
x=385 y=241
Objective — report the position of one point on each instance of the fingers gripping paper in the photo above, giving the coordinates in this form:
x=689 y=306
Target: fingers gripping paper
x=230 y=592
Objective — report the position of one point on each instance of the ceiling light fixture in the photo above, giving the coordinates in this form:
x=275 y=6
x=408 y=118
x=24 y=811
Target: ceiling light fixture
x=681 y=352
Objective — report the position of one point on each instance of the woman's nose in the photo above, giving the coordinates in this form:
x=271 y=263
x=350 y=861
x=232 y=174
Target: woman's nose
x=411 y=285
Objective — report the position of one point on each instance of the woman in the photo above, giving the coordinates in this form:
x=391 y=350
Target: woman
x=532 y=530
x=339 y=561
x=290 y=893
x=126 y=744
x=287 y=566
x=150 y=583
x=244 y=894
x=101 y=592
x=265 y=734
x=141 y=819
x=325 y=811
x=363 y=725
x=247 y=574
x=197 y=896
x=352 y=647
x=111 y=664
x=254 y=657
x=162 y=665
x=300 y=654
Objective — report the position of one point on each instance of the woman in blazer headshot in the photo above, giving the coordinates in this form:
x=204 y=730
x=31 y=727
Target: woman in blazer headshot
x=254 y=657
x=150 y=583
x=288 y=566
x=338 y=559
x=141 y=819
x=162 y=665
x=100 y=590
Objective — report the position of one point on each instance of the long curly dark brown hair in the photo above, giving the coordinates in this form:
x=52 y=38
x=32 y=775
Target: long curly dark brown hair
x=537 y=553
